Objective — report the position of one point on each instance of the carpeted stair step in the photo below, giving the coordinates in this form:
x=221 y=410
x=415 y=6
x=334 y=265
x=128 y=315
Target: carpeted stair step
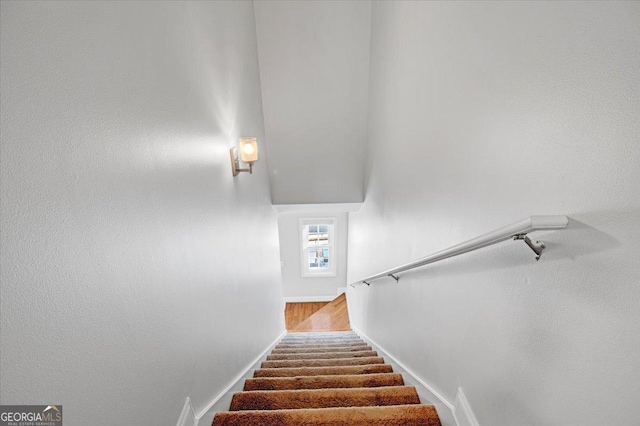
x=321 y=334
x=322 y=355
x=319 y=338
x=324 y=382
x=345 y=342
x=297 y=334
x=317 y=346
x=320 y=349
x=323 y=371
x=399 y=415
x=324 y=398
x=321 y=362
x=324 y=379
x=291 y=336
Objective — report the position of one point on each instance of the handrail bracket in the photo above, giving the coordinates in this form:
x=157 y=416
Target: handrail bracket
x=395 y=277
x=364 y=282
x=537 y=247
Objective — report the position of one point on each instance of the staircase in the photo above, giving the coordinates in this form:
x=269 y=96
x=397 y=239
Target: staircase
x=323 y=378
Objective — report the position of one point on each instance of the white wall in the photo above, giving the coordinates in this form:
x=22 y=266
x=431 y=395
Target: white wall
x=314 y=68
x=131 y=275
x=482 y=114
x=293 y=284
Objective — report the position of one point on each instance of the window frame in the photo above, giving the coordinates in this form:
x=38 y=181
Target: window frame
x=331 y=271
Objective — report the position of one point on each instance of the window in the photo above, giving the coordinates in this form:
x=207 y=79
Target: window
x=318 y=247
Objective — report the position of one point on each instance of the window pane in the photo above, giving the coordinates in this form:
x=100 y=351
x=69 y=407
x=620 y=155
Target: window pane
x=323 y=239
x=318 y=258
x=317 y=243
x=318 y=235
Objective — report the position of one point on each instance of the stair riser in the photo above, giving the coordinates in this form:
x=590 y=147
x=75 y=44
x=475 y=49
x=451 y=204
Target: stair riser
x=322 y=362
x=322 y=334
x=324 y=398
x=328 y=343
x=327 y=340
x=321 y=355
x=317 y=345
x=403 y=415
x=323 y=371
x=324 y=382
x=321 y=349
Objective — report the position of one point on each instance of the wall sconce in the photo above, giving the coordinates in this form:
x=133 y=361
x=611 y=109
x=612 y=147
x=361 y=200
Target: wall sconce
x=248 y=153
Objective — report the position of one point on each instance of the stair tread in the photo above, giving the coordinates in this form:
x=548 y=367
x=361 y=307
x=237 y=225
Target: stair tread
x=321 y=333
x=322 y=379
x=321 y=355
x=317 y=346
x=320 y=344
x=321 y=362
x=323 y=382
x=400 y=415
x=320 y=349
x=323 y=398
x=323 y=371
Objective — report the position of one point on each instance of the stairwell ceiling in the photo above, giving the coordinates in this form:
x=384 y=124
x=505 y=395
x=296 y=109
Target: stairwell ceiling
x=314 y=72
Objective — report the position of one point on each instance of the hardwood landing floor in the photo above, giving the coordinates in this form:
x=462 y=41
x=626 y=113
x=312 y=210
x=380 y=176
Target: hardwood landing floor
x=333 y=316
x=295 y=313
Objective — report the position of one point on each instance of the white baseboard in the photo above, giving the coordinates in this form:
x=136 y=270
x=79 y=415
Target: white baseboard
x=237 y=378
x=301 y=299
x=444 y=403
x=462 y=411
x=187 y=416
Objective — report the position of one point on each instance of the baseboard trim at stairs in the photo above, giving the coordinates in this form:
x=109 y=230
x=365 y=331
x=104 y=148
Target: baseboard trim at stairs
x=187 y=416
x=462 y=411
x=239 y=377
x=444 y=403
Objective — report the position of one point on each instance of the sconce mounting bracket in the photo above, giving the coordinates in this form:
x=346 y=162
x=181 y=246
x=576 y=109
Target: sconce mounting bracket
x=235 y=163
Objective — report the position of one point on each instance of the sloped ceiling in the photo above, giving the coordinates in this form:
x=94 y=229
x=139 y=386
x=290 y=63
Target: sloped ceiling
x=314 y=73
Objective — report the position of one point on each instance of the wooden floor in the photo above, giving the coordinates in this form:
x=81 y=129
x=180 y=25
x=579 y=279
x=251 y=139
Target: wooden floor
x=333 y=316
x=295 y=313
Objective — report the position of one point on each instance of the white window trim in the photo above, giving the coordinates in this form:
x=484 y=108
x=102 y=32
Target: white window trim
x=304 y=258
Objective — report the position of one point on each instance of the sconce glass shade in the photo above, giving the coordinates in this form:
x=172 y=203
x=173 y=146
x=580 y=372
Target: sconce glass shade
x=249 y=150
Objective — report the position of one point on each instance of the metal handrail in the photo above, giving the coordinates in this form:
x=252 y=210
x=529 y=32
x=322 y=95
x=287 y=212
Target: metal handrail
x=516 y=231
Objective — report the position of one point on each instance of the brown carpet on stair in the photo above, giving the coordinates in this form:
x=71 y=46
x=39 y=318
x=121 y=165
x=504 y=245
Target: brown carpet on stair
x=301 y=342
x=322 y=355
x=323 y=382
x=327 y=348
x=324 y=398
x=320 y=349
x=326 y=338
x=323 y=371
x=326 y=379
x=401 y=415
x=321 y=362
x=334 y=342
